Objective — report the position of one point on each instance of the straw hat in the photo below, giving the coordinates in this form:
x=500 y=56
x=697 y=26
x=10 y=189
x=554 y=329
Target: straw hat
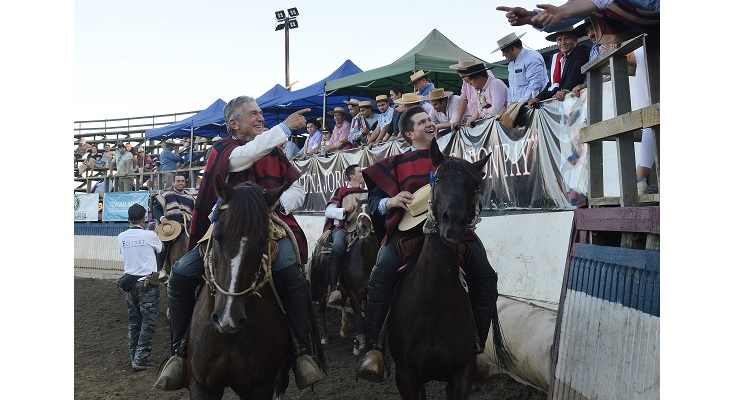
x=417 y=211
x=463 y=64
x=169 y=231
x=338 y=110
x=416 y=76
x=437 y=93
x=552 y=37
x=506 y=41
x=366 y=103
x=381 y=97
x=408 y=98
x=352 y=102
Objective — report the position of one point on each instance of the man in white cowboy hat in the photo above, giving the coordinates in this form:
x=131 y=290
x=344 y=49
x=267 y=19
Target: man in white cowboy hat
x=492 y=93
x=405 y=102
x=353 y=106
x=566 y=66
x=444 y=111
x=468 y=104
x=422 y=83
x=385 y=118
x=340 y=131
x=392 y=183
x=339 y=210
x=526 y=70
x=249 y=153
x=363 y=124
x=173 y=209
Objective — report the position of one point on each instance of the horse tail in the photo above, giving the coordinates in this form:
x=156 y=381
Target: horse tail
x=505 y=358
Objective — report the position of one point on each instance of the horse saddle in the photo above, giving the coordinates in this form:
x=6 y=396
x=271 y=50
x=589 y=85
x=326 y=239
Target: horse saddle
x=325 y=241
x=408 y=246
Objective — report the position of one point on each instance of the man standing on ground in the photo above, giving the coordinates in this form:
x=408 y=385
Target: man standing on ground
x=137 y=247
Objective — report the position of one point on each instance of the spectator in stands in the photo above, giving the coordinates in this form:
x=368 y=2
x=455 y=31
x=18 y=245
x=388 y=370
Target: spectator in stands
x=407 y=101
x=527 y=76
x=423 y=86
x=144 y=163
x=397 y=90
x=325 y=143
x=168 y=160
x=566 y=66
x=492 y=93
x=137 y=249
x=82 y=148
x=124 y=163
x=89 y=161
x=312 y=143
x=385 y=118
x=353 y=107
x=367 y=121
x=587 y=29
x=107 y=155
x=444 y=110
x=341 y=129
x=468 y=104
x=131 y=149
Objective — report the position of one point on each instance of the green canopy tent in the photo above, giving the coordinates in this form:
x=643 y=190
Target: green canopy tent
x=433 y=55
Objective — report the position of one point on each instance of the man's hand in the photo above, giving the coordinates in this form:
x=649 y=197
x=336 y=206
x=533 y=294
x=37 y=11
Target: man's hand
x=550 y=16
x=296 y=120
x=163 y=220
x=560 y=94
x=577 y=90
x=402 y=200
x=517 y=16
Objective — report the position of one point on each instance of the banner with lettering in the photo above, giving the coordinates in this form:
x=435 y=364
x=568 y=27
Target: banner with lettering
x=116 y=204
x=540 y=167
x=86 y=207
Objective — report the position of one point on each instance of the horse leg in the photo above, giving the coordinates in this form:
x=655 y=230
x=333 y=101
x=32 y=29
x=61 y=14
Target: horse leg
x=460 y=384
x=407 y=384
x=322 y=321
x=359 y=322
x=198 y=392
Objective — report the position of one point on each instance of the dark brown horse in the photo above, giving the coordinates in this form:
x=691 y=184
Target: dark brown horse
x=431 y=334
x=238 y=334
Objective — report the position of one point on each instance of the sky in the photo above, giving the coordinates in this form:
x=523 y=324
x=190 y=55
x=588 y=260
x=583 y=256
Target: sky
x=65 y=61
x=140 y=57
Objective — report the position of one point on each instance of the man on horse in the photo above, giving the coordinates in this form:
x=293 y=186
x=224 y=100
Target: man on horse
x=339 y=211
x=172 y=206
x=247 y=154
x=391 y=183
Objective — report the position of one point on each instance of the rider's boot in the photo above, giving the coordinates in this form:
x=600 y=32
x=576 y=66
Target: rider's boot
x=181 y=291
x=334 y=277
x=292 y=288
x=161 y=257
x=483 y=305
x=372 y=367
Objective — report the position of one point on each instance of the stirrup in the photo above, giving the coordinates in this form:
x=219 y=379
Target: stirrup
x=307 y=372
x=172 y=376
x=372 y=367
x=163 y=276
x=486 y=370
x=334 y=299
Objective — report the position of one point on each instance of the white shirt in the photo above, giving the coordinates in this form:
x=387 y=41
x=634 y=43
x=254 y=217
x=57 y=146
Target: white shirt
x=138 y=248
x=450 y=114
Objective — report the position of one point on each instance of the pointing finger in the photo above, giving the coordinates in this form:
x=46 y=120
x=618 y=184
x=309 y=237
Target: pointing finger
x=303 y=111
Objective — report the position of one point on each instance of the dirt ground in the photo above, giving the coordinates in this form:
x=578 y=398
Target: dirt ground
x=102 y=367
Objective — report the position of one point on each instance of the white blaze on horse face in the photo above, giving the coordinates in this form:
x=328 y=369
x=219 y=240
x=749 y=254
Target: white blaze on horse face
x=234 y=271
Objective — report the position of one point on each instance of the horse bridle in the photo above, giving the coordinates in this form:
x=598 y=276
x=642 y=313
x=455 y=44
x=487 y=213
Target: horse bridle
x=431 y=224
x=257 y=282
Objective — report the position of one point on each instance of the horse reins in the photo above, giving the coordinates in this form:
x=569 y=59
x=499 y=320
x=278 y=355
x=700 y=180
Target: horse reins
x=431 y=224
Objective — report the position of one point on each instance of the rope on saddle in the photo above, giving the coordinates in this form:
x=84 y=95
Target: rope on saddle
x=186 y=224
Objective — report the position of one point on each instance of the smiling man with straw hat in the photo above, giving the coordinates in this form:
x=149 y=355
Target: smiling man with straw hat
x=444 y=109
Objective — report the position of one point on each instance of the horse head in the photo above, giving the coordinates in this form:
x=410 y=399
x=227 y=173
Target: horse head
x=238 y=266
x=456 y=195
x=364 y=221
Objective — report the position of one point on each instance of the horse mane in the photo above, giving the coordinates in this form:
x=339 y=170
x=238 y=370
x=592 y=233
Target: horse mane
x=462 y=167
x=246 y=212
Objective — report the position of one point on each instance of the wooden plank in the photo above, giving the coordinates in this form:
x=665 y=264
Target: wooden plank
x=618 y=219
x=633 y=120
x=602 y=60
x=594 y=102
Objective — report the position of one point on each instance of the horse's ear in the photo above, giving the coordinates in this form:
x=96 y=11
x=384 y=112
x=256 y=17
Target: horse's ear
x=273 y=195
x=222 y=189
x=435 y=154
x=479 y=165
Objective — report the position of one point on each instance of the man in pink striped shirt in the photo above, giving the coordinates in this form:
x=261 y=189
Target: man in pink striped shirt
x=468 y=103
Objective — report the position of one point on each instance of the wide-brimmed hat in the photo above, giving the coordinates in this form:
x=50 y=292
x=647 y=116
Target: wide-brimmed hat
x=366 y=103
x=552 y=37
x=580 y=30
x=171 y=141
x=381 y=97
x=437 y=93
x=463 y=64
x=409 y=98
x=216 y=138
x=417 y=211
x=169 y=231
x=352 y=102
x=477 y=68
x=338 y=110
x=506 y=41
x=416 y=76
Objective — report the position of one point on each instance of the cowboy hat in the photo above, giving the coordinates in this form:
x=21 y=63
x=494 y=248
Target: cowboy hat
x=552 y=37
x=381 y=97
x=417 y=76
x=171 y=141
x=169 y=231
x=352 y=102
x=580 y=30
x=216 y=138
x=408 y=98
x=366 y=103
x=437 y=93
x=463 y=64
x=417 y=211
x=506 y=41
x=338 y=110
x=477 y=68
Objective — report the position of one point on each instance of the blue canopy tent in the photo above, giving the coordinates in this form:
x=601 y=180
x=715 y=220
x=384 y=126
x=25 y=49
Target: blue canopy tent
x=206 y=123
x=312 y=97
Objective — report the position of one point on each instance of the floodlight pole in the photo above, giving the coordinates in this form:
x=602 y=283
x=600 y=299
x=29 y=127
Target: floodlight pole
x=286 y=40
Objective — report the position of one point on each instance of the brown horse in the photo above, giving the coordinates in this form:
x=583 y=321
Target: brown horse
x=178 y=247
x=432 y=331
x=238 y=335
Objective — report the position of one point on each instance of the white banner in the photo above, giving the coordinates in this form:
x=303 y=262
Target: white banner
x=86 y=207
